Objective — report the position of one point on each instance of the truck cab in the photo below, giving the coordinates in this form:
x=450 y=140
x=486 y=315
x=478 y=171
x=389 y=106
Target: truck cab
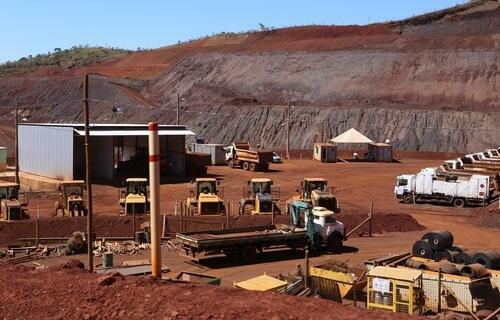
x=135 y=198
x=405 y=186
x=11 y=207
x=320 y=223
x=205 y=200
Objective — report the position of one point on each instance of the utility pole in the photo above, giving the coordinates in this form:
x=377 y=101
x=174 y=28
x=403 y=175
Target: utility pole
x=178 y=103
x=154 y=187
x=17 y=145
x=288 y=131
x=90 y=231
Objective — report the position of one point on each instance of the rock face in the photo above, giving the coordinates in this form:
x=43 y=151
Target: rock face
x=427 y=83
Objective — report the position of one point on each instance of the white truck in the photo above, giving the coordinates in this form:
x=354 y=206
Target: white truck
x=427 y=186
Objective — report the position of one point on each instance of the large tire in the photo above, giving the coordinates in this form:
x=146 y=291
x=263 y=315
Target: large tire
x=445 y=255
x=248 y=253
x=459 y=203
x=490 y=259
x=464 y=257
x=423 y=249
x=245 y=165
x=408 y=198
x=334 y=243
x=252 y=166
x=439 y=240
x=230 y=164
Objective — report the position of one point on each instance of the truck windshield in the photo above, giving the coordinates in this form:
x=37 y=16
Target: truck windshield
x=329 y=219
x=402 y=182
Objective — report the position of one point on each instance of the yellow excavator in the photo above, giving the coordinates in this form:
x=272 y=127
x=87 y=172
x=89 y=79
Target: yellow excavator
x=135 y=198
x=205 y=199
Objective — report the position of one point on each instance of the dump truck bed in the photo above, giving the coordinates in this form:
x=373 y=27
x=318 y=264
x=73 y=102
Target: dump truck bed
x=261 y=236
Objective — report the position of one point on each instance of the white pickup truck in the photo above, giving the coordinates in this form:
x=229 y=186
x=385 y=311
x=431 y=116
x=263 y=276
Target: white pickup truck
x=427 y=186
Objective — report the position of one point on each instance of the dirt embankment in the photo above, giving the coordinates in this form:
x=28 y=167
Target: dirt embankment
x=62 y=293
x=113 y=226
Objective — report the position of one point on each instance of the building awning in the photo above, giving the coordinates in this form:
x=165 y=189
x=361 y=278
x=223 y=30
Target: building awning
x=122 y=133
x=351 y=136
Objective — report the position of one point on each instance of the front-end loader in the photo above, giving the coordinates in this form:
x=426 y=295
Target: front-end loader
x=71 y=202
x=134 y=198
x=11 y=207
x=205 y=199
x=259 y=197
x=315 y=191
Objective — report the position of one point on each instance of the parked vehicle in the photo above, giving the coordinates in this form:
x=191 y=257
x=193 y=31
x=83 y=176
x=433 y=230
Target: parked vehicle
x=240 y=155
x=71 y=202
x=11 y=207
x=259 y=197
x=277 y=158
x=427 y=186
x=310 y=227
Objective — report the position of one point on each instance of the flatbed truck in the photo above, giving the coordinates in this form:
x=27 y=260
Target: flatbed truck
x=318 y=229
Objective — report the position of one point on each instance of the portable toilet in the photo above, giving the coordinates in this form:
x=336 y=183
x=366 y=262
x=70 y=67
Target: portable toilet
x=3 y=158
x=325 y=152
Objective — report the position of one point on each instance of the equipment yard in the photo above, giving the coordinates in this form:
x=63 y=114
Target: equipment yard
x=346 y=169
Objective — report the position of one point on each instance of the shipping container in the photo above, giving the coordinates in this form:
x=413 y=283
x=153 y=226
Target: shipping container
x=217 y=152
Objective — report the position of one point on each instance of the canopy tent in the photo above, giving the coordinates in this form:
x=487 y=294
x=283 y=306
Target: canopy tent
x=351 y=136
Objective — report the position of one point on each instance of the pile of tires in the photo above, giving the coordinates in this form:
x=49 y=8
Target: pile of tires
x=438 y=245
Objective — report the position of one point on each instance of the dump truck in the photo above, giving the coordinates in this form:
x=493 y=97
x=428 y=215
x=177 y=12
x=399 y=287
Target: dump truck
x=71 y=202
x=12 y=208
x=134 y=199
x=240 y=155
x=427 y=186
x=259 y=197
x=316 y=192
x=310 y=227
x=205 y=199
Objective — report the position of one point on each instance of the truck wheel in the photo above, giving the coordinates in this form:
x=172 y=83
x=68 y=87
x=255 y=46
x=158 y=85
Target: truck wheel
x=334 y=243
x=408 y=198
x=245 y=165
x=248 y=253
x=230 y=164
x=252 y=166
x=458 y=202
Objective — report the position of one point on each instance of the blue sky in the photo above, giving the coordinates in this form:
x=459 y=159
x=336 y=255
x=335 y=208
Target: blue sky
x=32 y=27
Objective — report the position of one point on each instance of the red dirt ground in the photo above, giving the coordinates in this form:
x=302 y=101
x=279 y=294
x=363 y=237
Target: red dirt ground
x=62 y=293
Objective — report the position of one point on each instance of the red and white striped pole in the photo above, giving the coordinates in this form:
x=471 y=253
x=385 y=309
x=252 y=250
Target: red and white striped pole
x=154 y=189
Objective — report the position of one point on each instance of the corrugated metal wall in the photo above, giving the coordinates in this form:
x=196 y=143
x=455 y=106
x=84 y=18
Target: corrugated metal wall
x=46 y=151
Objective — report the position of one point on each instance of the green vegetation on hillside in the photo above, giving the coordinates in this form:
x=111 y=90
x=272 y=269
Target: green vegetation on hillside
x=77 y=56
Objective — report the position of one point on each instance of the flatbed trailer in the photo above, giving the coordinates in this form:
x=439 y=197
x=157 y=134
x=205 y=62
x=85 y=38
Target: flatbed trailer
x=242 y=243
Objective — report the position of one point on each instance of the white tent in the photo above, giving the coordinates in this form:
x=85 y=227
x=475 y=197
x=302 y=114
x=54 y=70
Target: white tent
x=351 y=136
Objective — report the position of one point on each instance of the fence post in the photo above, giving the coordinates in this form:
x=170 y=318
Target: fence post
x=439 y=291
x=228 y=211
x=370 y=221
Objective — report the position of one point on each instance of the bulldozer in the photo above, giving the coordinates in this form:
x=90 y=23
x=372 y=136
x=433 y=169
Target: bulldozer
x=11 y=207
x=71 y=203
x=315 y=191
x=135 y=198
x=205 y=199
x=258 y=197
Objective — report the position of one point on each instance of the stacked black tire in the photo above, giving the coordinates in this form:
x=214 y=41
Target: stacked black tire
x=438 y=245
